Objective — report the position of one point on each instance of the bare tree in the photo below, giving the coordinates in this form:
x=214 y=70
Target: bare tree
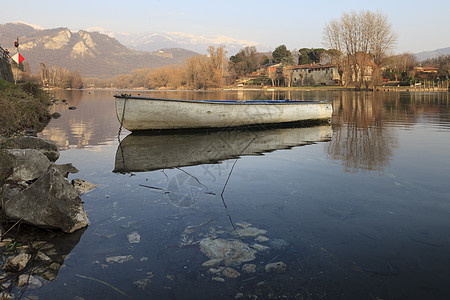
x=362 y=38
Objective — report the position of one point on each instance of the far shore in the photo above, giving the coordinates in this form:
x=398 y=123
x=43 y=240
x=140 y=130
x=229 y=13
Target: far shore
x=300 y=88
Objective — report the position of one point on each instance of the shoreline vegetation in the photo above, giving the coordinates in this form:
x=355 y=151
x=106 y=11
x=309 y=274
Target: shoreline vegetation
x=22 y=107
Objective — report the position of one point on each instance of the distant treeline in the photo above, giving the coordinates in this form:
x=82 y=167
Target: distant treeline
x=199 y=72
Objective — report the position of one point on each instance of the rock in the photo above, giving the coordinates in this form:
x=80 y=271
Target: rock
x=55 y=115
x=9 y=190
x=219 y=279
x=250 y=231
x=276 y=267
x=259 y=247
x=134 y=238
x=6 y=163
x=249 y=268
x=46 y=147
x=83 y=186
x=7 y=296
x=30 y=281
x=28 y=164
x=225 y=271
x=51 y=201
x=212 y=263
x=226 y=252
x=16 y=263
x=65 y=169
x=142 y=284
x=230 y=273
x=278 y=244
x=261 y=239
x=42 y=256
x=118 y=259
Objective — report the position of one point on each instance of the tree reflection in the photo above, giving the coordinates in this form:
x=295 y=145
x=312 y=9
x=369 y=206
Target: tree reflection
x=360 y=138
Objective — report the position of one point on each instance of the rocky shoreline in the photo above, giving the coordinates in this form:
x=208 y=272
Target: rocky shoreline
x=35 y=191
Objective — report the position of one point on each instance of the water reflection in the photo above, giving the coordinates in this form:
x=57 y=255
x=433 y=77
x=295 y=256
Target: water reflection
x=341 y=235
x=140 y=152
x=47 y=253
x=364 y=138
x=361 y=140
x=92 y=123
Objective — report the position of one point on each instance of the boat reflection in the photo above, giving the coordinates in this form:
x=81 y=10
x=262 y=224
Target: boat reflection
x=147 y=152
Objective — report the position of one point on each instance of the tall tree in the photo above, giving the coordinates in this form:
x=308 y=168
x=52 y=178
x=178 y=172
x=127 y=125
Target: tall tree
x=246 y=61
x=360 y=37
x=303 y=58
x=282 y=55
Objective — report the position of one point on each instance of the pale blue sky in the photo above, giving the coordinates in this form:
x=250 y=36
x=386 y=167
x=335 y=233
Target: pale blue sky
x=420 y=25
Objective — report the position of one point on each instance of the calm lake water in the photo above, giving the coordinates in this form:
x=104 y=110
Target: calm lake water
x=355 y=209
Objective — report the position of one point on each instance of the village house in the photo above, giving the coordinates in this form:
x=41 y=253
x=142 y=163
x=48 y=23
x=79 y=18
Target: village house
x=314 y=74
x=425 y=72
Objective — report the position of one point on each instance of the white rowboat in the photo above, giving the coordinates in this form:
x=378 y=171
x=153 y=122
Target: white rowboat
x=145 y=113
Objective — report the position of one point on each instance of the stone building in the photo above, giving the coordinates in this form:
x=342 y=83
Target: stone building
x=314 y=74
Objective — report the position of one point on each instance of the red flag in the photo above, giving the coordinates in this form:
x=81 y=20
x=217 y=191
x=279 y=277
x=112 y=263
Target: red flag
x=18 y=58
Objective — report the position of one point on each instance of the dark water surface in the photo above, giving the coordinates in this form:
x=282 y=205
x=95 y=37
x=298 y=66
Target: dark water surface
x=357 y=209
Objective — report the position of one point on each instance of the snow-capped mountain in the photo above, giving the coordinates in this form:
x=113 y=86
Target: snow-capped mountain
x=153 y=41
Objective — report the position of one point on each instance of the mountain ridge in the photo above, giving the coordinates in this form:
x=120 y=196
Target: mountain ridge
x=424 y=55
x=92 y=54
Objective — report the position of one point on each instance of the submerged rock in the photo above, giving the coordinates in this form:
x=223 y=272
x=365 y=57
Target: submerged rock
x=226 y=252
x=30 y=281
x=261 y=239
x=225 y=272
x=83 y=186
x=276 y=267
x=16 y=263
x=250 y=231
x=118 y=259
x=134 y=238
x=51 y=201
x=142 y=284
x=249 y=268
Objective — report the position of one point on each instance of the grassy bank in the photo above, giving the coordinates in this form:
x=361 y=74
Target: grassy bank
x=22 y=107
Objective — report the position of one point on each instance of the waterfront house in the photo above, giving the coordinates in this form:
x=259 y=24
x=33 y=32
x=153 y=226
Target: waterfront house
x=314 y=74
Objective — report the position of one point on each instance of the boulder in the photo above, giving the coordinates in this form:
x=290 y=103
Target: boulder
x=46 y=147
x=28 y=164
x=51 y=201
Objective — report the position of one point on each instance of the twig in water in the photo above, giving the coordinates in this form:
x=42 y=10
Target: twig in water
x=152 y=187
x=107 y=284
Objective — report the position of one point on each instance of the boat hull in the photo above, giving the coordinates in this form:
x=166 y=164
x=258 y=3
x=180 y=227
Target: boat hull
x=142 y=113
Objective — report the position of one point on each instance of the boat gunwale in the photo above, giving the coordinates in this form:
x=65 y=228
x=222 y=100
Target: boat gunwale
x=230 y=102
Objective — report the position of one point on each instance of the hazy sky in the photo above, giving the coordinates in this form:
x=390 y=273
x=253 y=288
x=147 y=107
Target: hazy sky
x=420 y=25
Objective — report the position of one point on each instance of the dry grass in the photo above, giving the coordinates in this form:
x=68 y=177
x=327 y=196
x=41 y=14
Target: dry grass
x=22 y=107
